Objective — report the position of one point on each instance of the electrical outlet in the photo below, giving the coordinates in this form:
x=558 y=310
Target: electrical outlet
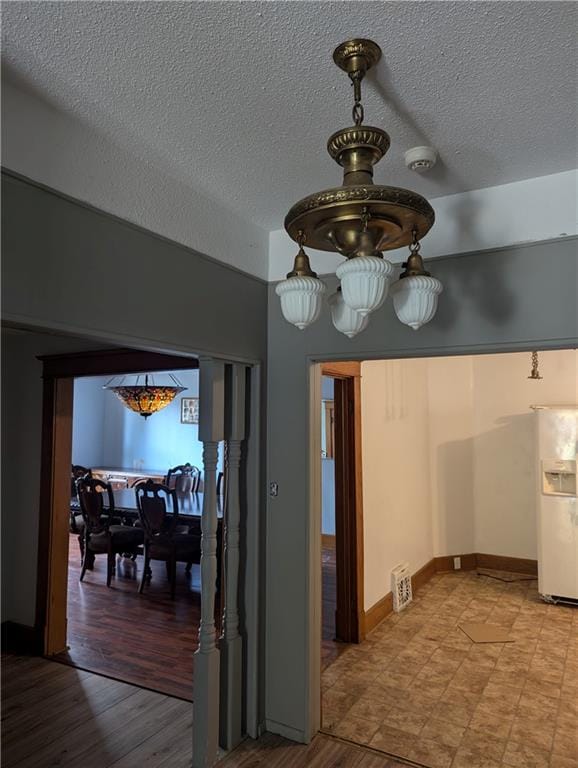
x=273 y=489
x=457 y=563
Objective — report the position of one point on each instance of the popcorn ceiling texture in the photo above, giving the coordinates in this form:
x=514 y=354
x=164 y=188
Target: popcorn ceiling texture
x=206 y=121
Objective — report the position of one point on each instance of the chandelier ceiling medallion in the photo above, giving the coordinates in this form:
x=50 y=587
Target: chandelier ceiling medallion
x=145 y=398
x=359 y=220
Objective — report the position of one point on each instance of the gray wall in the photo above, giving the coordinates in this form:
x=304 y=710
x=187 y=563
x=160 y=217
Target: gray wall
x=67 y=267
x=21 y=430
x=514 y=298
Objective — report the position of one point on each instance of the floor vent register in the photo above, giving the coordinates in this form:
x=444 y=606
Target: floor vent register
x=401 y=587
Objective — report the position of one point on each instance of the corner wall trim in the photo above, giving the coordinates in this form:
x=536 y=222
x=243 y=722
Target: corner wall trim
x=286 y=731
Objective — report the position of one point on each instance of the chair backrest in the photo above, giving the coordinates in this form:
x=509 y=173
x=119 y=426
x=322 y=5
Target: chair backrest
x=77 y=472
x=92 y=494
x=178 y=477
x=158 y=508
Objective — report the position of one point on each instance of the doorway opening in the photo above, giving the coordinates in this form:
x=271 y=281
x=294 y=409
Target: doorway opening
x=144 y=638
x=342 y=512
x=463 y=458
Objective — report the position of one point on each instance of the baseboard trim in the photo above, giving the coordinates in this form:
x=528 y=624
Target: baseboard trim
x=377 y=613
x=469 y=562
x=21 y=639
x=446 y=563
x=272 y=726
x=328 y=540
x=510 y=564
x=424 y=574
x=493 y=562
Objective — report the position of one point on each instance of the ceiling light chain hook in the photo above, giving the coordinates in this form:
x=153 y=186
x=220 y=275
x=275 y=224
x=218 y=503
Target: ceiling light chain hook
x=357 y=112
x=415 y=244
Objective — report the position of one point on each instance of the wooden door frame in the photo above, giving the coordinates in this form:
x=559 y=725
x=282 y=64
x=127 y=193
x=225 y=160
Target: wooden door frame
x=58 y=373
x=349 y=623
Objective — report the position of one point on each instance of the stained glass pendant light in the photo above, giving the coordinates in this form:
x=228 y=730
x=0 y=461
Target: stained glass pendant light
x=147 y=397
x=359 y=220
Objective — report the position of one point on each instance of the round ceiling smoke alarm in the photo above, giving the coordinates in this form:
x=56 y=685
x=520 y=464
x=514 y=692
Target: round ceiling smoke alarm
x=420 y=159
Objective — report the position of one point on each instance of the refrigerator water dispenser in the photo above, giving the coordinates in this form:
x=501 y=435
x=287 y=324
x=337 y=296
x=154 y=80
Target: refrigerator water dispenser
x=558 y=477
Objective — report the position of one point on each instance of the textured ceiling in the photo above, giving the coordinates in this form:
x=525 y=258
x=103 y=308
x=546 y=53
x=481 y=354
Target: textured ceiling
x=237 y=99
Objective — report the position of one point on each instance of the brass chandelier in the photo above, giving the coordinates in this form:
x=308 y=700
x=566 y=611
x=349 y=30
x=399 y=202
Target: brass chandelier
x=359 y=220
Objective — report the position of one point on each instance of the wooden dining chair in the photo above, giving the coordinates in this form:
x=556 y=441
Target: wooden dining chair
x=76 y=522
x=158 y=510
x=101 y=536
x=177 y=477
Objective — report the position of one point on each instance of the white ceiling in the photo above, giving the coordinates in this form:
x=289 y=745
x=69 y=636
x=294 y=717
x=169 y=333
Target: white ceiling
x=237 y=99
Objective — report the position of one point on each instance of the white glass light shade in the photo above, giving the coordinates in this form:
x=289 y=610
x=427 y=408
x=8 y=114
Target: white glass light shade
x=300 y=299
x=364 y=282
x=415 y=299
x=345 y=319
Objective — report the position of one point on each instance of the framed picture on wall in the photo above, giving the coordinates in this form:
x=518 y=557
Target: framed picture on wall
x=189 y=410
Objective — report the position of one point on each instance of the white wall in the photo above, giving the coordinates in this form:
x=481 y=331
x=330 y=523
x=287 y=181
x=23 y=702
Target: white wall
x=448 y=457
x=450 y=415
x=397 y=517
x=504 y=459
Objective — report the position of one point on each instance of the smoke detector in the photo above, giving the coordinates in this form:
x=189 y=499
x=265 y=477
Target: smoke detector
x=421 y=159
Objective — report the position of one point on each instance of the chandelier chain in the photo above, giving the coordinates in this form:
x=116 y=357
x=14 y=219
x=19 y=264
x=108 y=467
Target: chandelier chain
x=415 y=244
x=357 y=112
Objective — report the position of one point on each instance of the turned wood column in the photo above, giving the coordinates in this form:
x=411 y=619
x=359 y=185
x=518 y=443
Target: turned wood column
x=231 y=642
x=206 y=667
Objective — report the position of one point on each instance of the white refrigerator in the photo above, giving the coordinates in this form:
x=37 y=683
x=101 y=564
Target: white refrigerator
x=557 y=512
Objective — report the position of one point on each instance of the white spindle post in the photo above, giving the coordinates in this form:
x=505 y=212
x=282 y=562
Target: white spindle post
x=206 y=668
x=231 y=642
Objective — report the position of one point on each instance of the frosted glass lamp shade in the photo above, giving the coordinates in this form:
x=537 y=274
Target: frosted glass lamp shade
x=345 y=319
x=364 y=282
x=415 y=299
x=300 y=299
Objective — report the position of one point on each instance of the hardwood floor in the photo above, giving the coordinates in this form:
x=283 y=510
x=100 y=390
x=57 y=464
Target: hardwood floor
x=330 y=649
x=147 y=640
x=53 y=715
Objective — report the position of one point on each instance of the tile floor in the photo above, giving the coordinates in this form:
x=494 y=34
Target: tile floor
x=418 y=688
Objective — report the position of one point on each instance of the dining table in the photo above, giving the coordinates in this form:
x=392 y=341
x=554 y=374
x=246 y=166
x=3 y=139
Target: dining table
x=190 y=506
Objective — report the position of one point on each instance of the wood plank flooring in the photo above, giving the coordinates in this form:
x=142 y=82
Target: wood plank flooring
x=147 y=640
x=53 y=715
x=330 y=649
